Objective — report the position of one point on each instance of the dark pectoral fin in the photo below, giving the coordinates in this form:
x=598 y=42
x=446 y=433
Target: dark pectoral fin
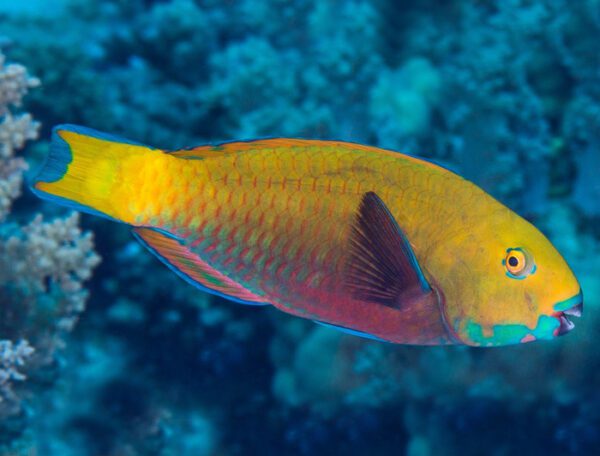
x=382 y=267
x=192 y=268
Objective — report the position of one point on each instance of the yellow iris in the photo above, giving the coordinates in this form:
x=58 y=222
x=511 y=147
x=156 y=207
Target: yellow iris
x=518 y=263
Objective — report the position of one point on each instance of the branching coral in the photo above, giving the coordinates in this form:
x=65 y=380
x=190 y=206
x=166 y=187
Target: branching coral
x=42 y=265
x=14 y=84
x=12 y=358
x=15 y=130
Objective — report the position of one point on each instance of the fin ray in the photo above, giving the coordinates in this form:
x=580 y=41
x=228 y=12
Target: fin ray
x=382 y=266
x=82 y=167
x=192 y=268
x=214 y=151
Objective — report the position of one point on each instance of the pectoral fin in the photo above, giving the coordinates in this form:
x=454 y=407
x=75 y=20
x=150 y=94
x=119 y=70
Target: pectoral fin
x=382 y=267
x=192 y=268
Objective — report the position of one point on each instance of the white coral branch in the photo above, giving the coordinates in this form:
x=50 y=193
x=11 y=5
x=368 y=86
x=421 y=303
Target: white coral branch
x=14 y=84
x=15 y=130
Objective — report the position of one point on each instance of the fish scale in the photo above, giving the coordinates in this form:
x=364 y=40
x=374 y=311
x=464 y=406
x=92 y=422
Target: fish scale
x=281 y=216
x=371 y=241
x=329 y=213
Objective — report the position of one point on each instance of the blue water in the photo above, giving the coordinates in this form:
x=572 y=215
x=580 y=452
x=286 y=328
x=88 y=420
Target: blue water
x=505 y=92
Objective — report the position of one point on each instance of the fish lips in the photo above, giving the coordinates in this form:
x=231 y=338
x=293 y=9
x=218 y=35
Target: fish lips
x=567 y=325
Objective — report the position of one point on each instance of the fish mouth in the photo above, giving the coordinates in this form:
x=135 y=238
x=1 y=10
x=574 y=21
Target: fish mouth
x=573 y=307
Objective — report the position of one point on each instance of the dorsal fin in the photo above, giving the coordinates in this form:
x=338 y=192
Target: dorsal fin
x=192 y=268
x=382 y=267
x=212 y=151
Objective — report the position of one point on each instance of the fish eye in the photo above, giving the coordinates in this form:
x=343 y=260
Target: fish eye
x=518 y=263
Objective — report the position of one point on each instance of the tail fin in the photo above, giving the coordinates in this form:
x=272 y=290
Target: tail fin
x=84 y=169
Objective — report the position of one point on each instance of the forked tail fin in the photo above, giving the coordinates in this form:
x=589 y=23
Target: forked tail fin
x=87 y=170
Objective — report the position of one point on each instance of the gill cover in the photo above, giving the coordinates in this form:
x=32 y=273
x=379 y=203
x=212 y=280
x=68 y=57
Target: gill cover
x=383 y=270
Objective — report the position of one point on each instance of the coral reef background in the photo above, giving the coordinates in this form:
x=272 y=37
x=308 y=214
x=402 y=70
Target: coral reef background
x=506 y=92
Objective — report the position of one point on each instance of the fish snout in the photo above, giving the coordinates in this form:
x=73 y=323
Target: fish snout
x=572 y=307
x=575 y=311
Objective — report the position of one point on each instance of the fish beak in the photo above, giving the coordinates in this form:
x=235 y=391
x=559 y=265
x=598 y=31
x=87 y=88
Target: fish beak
x=575 y=310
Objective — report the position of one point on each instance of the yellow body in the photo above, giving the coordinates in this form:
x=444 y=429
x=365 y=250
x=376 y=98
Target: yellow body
x=274 y=203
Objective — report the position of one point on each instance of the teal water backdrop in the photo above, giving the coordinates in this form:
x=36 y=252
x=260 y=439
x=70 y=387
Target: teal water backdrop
x=120 y=357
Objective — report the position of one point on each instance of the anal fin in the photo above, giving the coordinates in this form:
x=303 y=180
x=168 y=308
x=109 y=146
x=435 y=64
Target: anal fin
x=189 y=266
x=353 y=332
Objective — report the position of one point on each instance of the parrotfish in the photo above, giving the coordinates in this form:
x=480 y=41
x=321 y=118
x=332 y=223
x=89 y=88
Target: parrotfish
x=370 y=241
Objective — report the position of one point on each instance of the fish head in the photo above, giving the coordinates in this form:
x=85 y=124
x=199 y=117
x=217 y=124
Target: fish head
x=508 y=284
